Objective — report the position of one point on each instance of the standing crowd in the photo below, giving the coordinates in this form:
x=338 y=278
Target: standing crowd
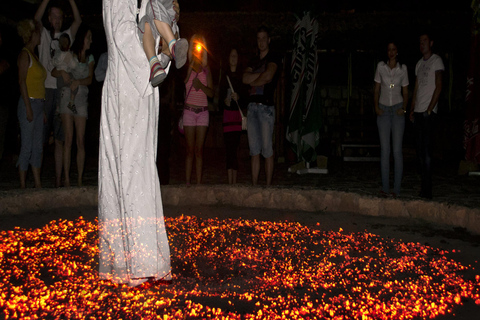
x=391 y=100
x=55 y=68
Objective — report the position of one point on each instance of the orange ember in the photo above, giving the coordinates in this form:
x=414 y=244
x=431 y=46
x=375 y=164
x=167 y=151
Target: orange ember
x=233 y=269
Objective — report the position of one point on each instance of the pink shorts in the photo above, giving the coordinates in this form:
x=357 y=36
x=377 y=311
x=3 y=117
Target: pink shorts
x=193 y=119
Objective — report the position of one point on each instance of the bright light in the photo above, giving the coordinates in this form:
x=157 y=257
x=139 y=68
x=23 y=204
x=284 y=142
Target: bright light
x=233 y=269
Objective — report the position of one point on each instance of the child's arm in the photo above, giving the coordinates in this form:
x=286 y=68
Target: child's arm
x=61 y=73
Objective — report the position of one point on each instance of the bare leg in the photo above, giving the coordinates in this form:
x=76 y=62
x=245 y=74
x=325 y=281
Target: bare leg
x=190 y=139
x=58 y=162
x=255 y=169
x=164 y=30
x=148 y=42
x=269 y=169
x=80 y=123
x=234 y=176
x=23 y=178
x=201 y=133
x=230 y=176
x=67 y=123
x=36 y=177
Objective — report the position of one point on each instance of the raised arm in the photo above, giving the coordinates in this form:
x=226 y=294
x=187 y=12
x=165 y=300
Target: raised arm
x=77 y=19
x=41 y=11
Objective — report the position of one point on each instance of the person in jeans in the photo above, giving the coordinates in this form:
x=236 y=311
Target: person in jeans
x=31 y=78
x=390 y=99
x=428 y=86
x=261 y=75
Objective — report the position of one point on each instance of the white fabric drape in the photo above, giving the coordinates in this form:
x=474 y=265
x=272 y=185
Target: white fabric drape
x=133 y=240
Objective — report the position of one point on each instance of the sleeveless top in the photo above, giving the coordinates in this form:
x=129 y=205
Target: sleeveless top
x=194 y=97
x=36 y=76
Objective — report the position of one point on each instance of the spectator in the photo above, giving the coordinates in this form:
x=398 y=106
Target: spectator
x=48 y=46
x=232 y=119
x=428 y=85
x=390 y=99
x=31 y=79
x=261 y=75
x=82 y=77
x=198 y=86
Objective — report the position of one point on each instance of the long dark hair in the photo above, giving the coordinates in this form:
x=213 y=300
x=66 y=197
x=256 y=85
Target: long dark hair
x=395 y=43
x=227 y=59
x=78 y=43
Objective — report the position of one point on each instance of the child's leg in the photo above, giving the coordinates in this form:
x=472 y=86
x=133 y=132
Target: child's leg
x=164 y=30
x=148 y=42
x=178 y=48
x=157 y=73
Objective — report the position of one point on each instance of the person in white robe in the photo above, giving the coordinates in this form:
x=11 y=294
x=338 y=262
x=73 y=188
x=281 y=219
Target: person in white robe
x=132 y=236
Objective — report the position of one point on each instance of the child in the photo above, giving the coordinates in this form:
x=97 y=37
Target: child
x=159 y=19
x=64 y=60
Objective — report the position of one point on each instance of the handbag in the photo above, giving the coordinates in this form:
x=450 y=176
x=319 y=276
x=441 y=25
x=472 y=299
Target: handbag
x=244 y=117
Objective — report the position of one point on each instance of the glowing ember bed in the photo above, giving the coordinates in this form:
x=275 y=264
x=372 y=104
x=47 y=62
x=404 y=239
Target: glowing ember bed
x=235 y=269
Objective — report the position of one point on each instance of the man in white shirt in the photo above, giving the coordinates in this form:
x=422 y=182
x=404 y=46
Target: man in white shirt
x=428 y=86
x=48 y=45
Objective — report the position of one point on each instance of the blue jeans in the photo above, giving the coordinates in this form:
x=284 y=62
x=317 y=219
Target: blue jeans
x=261 y=119
x=31 y=134
x=391 y=123
x=424 y=129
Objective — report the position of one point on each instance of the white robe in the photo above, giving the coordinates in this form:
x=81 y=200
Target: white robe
x=133 y=240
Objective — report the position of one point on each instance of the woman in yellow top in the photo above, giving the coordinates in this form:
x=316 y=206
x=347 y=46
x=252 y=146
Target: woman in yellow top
x=30 y=112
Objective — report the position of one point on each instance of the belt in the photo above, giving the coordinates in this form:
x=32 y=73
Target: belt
x=196 y=110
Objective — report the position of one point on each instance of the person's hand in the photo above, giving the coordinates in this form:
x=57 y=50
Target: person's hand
x=412 y=117
x=400 y=112
x=227 y=101
x=235 y=96
x=176 y=8
x=74 y=85
x=29 y=113
x=66 y=77
x=197 y=85
x=378 y=111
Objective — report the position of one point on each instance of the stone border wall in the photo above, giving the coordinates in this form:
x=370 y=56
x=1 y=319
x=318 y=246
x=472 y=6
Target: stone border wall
x=310 y=200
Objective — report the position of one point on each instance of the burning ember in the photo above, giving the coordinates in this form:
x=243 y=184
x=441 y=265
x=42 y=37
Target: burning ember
x=233 y=269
